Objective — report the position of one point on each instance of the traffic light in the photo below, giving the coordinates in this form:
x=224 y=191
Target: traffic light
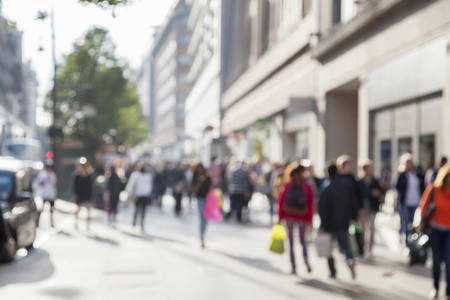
x=49 y=155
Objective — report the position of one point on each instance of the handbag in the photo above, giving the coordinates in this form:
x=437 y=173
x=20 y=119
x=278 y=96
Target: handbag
x=211 y=210
x=324 y=244
x=423 y=221
x=277 y=239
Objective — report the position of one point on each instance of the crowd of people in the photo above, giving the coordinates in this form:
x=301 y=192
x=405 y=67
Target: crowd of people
x=294 y=195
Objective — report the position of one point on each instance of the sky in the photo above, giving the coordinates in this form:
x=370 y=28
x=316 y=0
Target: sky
x=131 y=30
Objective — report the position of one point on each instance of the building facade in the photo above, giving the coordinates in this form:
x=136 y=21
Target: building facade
x=268 y=78
x=386 y=75
x=170 y=68
x=203 y=102
x=17 y=87
x=316 y=79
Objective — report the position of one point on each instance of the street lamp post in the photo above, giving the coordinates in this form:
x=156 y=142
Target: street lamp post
x=53 y=132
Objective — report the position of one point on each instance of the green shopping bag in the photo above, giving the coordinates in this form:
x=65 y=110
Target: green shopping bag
x=278 y=236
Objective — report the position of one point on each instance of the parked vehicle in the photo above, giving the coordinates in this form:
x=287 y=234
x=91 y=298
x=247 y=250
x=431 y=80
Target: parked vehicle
x=23 y=149
x=19 y=216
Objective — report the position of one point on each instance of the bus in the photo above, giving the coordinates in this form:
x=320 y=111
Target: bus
x=25 y=149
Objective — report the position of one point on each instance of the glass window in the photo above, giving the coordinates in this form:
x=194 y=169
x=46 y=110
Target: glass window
x=184 y=59
x=404 y=146
x=427 y=150
x=6 y=186
x=386 y=153
x=302 y=144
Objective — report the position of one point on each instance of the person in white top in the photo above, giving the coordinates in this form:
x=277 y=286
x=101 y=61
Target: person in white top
x=410 y=186
x=140 y=185
x=47 y=185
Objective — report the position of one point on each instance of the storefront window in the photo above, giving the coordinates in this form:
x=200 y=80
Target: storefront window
x=386 y=153
x=302 y=144
x=427 y=150
x=404 y=146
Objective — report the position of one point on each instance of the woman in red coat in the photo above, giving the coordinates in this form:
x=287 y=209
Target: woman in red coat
x=296 y=208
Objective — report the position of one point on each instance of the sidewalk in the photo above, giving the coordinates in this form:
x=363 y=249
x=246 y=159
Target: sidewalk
x=167 y=262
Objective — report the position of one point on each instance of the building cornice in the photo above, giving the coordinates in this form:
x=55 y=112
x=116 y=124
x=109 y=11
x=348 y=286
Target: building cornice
x=342 y=33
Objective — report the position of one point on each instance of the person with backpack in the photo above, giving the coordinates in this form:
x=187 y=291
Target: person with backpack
x=296 y=210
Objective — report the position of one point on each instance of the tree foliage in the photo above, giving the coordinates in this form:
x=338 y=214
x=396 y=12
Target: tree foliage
x=93 y=76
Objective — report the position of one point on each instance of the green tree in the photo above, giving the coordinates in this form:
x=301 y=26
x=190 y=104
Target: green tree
x=92 y=76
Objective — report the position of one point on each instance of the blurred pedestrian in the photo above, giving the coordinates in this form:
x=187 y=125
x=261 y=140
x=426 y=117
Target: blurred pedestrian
x=160 y=184
x=410 y=186
x=47 y=186
x=436 y=203
x=83 y=187
x=265 y=186
x=432 y=172
x=188 y=174
x=239 y=188
x=201 y=184
x=140 y=184
x=178 y=185
x=371 y=192
x=215 y=171
x=336 y=210
x=296 y=208
x=114 y=187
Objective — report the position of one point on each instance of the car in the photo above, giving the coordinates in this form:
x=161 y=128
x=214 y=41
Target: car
x=19 y=216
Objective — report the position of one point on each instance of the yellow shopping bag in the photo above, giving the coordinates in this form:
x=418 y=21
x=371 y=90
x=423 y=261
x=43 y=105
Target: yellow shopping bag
x=278 y=236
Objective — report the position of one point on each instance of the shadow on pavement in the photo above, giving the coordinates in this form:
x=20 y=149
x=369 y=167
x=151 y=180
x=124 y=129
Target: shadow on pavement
x=355 y=291
x=35 y=267
x=149 y=238
x=253 y=262
x=62 y=293
x=396 y=266
x=104 y=240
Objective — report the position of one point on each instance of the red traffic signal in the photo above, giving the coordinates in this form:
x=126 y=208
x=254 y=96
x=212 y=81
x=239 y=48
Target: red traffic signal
x=49 y=155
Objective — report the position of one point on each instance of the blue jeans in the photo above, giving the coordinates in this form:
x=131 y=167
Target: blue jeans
x=440 y=246
x=343 y=239
x=201 y=202
x=407 y=218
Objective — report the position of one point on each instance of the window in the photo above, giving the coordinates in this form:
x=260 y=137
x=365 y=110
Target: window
x=184 y=59
x=404 y=146
x=289 y=12
x=6 y=186
x=302 y=144
x=386 y=153
x=344 y=11
x=182 y=77
x=427 y=150
x=184 y=39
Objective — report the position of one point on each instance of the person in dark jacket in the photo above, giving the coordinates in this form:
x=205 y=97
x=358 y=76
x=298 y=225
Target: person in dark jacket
x=178 y=183
x=336 y=209
x=371 y=192
x=114 y=187
x=410 y=187
x=82 y=187
x=201 y=184
x=160 y=184
x=344 y=164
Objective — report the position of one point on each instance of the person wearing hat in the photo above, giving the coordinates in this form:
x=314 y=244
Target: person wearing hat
x=47 y=184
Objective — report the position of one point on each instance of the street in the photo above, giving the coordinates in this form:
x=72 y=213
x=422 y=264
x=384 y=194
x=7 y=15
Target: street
x=167 y=262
